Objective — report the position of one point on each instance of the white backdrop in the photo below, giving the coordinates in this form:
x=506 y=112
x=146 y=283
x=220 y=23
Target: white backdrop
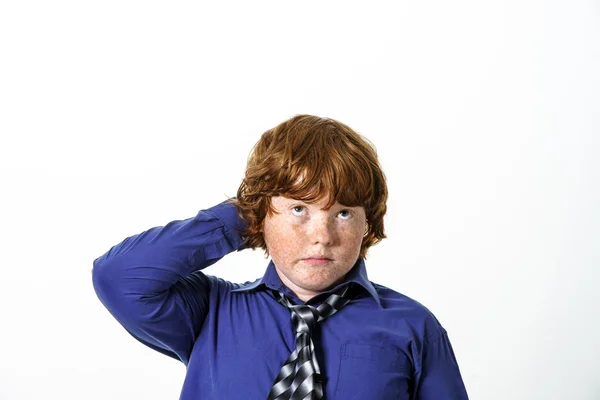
x=118 y=116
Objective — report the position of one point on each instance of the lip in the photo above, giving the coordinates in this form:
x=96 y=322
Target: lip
x=316 y=260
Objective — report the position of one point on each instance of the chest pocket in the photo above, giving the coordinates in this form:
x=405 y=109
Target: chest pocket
x=370 y=372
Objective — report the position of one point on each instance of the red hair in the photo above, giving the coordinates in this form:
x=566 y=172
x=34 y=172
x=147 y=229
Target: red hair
x=308 y=158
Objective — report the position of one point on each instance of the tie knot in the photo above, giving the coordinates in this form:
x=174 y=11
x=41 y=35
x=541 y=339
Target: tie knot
x=305 y=317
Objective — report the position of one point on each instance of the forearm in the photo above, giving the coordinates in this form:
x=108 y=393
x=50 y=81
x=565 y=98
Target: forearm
x=148 y=264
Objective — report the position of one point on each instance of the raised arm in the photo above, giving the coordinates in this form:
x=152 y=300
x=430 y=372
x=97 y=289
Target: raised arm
x=152 y=284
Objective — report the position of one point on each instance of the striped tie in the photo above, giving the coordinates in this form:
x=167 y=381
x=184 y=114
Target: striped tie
x=300 y=376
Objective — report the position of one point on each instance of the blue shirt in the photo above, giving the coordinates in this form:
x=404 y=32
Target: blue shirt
x=234 y=338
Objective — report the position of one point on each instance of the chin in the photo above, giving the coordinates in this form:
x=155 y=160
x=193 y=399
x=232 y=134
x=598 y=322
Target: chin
x=319 y=286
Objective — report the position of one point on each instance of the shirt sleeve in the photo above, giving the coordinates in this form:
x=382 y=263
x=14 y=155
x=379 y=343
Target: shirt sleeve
x=151 y=282
x=439 y=377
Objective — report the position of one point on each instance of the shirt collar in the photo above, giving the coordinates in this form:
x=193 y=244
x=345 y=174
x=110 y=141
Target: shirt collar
x=270 y=279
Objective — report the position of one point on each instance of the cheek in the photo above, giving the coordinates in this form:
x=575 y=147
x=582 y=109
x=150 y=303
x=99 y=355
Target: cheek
x=353 y=238
x=283 y=241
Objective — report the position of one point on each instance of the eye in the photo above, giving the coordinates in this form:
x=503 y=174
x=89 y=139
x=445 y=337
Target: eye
x=298 y=210
x=345 y=214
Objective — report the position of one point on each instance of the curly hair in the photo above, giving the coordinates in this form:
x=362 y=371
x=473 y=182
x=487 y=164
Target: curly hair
x=308 y=158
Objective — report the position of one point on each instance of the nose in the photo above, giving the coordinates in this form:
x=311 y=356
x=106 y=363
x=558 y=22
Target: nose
x=321 y=231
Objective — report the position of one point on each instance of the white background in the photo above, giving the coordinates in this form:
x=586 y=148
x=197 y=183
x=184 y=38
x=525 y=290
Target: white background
x=117 y=116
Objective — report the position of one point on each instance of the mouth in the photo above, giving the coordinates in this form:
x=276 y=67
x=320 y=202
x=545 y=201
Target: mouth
x=317 y=260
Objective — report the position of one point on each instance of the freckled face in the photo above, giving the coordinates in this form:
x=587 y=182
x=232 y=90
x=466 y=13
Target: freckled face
x=313 y=249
